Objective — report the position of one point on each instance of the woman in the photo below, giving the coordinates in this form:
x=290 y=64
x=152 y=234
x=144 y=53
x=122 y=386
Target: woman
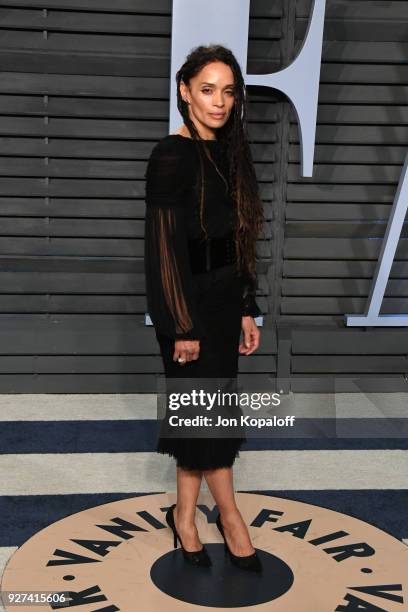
x=203 y=217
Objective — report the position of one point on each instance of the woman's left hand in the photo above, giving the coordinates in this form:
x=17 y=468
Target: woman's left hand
x=251 y=337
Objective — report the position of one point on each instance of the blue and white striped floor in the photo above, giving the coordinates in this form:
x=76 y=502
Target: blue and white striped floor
x=60 y=454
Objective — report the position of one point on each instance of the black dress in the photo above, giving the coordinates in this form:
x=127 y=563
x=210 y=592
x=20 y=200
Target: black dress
x=183 y=303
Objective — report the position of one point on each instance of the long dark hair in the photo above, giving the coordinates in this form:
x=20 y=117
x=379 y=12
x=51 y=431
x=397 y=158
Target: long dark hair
x=233 y=137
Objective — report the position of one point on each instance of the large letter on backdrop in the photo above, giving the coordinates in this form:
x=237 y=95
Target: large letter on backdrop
x=371 y=317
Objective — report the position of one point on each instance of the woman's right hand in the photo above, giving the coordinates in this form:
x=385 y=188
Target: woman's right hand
x=188 y=350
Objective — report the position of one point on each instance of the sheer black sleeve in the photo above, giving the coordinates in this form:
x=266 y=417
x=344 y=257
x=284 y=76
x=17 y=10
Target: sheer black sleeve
x=169 y=284
x=250 y=307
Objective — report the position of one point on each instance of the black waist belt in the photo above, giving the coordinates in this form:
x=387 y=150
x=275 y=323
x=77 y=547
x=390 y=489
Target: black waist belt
x=206 y=255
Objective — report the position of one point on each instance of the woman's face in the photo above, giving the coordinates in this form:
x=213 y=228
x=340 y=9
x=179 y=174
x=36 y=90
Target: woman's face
x=211 y=97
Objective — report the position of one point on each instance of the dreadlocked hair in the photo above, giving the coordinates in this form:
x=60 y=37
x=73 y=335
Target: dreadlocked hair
x=234 y=143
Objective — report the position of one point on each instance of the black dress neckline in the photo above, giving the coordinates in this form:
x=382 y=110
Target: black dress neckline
x=188 y=138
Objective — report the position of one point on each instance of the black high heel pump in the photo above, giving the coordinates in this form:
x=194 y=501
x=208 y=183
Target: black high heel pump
x=195 y=557
x=250 y=562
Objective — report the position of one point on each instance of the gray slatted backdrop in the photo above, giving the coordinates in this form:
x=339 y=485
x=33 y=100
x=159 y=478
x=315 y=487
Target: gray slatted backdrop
x=84 y=98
